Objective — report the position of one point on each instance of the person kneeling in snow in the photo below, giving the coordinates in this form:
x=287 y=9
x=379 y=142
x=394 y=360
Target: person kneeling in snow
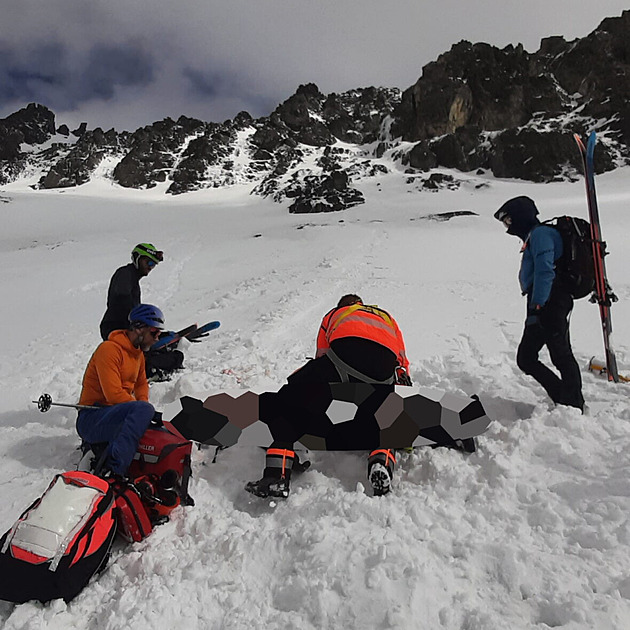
x=115 y=382
x=356 y=343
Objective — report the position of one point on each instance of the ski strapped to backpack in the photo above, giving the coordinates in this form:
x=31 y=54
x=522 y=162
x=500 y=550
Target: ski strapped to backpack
x=603 y=294
x=575 y=268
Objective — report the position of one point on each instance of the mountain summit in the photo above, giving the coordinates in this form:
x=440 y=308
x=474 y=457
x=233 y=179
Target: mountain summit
x=477 y=108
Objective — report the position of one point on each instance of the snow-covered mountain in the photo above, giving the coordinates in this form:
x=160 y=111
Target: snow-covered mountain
x=477 y=108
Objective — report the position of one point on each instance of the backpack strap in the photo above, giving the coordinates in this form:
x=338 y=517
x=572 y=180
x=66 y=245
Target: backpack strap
x=345 y=371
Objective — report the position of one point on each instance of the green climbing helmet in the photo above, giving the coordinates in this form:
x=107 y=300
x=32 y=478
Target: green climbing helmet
x=146 y=249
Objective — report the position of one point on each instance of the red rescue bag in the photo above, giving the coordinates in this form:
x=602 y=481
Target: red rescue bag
x=164 y=455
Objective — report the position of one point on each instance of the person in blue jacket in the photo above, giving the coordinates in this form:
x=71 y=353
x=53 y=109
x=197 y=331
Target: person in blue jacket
x=549 y=305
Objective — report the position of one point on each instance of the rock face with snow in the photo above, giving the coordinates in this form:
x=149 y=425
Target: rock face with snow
x=34 y=124
x=506 y=111
x=75 y=166
x=510 y=111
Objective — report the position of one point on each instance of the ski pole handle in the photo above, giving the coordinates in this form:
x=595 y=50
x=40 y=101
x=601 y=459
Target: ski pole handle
x=45 y=402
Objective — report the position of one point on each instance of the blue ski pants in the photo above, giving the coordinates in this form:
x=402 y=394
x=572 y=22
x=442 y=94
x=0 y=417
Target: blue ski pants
x=121 y=426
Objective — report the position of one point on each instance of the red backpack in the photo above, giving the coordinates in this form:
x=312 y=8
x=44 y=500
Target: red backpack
x=60 y=541
x=159 y=476
x=163 y=460
x=158 y=481
x=132 y=514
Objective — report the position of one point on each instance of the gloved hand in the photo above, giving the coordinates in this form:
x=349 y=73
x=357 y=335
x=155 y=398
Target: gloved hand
x=156 y=421
x=533 y=315
x=402 y=377
x=198 y=338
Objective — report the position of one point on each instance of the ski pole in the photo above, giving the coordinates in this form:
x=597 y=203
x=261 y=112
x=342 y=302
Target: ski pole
x=45 y=402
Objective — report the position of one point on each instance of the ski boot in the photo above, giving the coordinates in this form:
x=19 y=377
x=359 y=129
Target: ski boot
x=92 y=458
x=269 y=487
x=158 y=376
x=86 y=463
x=300 y=467
x=276 y=477
x=381 y=471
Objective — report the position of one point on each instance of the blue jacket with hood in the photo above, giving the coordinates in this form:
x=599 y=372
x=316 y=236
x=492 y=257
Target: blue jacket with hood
x=542 y=246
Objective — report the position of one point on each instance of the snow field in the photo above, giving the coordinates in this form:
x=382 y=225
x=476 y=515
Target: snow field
x=532 y=531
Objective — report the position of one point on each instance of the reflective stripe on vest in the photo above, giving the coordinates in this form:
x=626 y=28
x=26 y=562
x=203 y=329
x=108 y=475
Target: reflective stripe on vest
x=346 y=313
x=367 y=322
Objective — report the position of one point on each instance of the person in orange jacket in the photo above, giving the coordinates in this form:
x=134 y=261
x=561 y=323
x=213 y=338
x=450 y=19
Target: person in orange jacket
x=355 y=343
x=115 y=383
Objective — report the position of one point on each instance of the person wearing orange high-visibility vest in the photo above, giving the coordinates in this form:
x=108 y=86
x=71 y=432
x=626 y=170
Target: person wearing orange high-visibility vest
x=355 y=343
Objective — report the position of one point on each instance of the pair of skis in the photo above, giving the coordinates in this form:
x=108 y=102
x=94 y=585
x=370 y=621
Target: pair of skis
x=192 y=333
x=603 y=295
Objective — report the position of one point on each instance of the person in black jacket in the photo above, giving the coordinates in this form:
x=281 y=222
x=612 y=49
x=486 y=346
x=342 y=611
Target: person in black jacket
x=124 y=287
x=124 y=295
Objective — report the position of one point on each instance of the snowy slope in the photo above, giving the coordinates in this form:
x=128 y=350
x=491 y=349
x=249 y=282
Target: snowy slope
x=532 y=531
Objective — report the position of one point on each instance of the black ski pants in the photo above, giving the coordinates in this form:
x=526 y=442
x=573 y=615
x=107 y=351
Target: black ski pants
x=300 y=406
x=551 y=328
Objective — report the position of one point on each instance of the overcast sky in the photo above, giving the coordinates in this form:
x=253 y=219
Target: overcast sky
x=127 y=63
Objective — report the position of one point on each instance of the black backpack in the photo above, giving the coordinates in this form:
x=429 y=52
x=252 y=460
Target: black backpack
x=575 y=269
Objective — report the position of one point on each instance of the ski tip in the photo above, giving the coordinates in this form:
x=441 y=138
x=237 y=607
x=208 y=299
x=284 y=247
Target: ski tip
x=580 y=143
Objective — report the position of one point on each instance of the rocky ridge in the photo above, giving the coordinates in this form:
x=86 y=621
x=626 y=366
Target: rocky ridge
x=476 y=108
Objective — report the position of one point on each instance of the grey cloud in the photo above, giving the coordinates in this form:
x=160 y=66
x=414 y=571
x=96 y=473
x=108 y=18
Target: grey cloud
x=205 y=84
x=109 y=66
x=52 y=75
x=212 y=85
x=130 y=62
x=30 y=73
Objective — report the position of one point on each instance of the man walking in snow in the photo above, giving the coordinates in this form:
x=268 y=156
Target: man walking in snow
x=115 y=382
x=356 y=343
x=549 y=305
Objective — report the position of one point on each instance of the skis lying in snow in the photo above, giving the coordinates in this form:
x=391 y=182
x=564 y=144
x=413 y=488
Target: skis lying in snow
x=598 y=366
x=603 y=295
x=192 y=333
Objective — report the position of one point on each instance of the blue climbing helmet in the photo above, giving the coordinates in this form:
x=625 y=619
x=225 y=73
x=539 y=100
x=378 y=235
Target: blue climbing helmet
x=146 y=315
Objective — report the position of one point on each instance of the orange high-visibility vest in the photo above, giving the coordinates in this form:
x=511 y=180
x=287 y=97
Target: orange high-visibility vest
x=367 y=322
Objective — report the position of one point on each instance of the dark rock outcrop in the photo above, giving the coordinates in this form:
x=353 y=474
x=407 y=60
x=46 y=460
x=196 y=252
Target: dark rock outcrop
x=476 y=107
x=80 y=130
x=76 y=167
x=328 y=192
x=533 y=100
x=208 y=160
x=154 y=152
x=35 y=123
